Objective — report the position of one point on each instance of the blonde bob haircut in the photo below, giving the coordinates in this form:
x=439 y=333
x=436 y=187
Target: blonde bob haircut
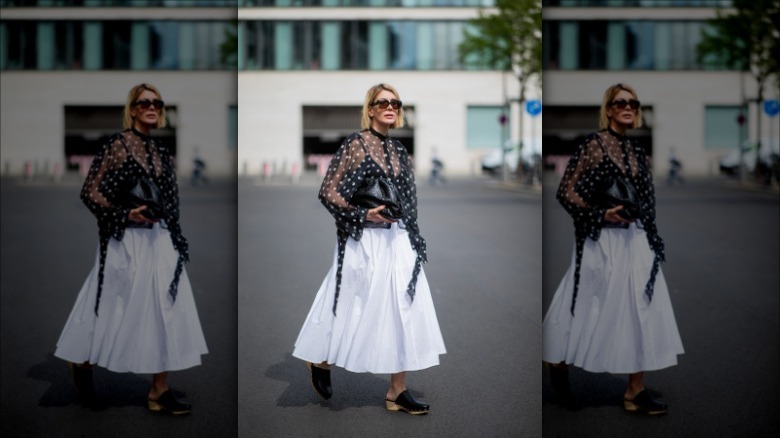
x=132 y=96
x=365 y=119
x=609 y=95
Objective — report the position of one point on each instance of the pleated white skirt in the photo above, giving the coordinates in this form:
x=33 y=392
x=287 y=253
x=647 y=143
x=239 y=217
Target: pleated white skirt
x=615 y=328
x=139 y=329
x=377 y=327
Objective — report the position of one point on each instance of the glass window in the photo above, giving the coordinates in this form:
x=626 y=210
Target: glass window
x=93 y=45
x=721 y=129
x=640 y=37
x=20 y=45
x=232 y=142
x=403 y=48
x=483 y=129
x=378 y=45
x=569 y=50
x=424 y=45
x=638 y=3
x=354 y=45
x=616 y=45
x=122 y=3
x=331 y=45
x=350 y=45
x=112 y=45
x=621 y=45
x=367 y=3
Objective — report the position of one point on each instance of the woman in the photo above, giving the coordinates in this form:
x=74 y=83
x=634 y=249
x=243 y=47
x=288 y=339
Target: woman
x=135 y=312
x=611 y=312
x=373 y=312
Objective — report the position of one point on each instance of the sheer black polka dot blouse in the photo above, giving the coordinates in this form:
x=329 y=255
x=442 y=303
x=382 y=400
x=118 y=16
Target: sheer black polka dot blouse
x=361 y=157
x=126 y=156
x=602 y=156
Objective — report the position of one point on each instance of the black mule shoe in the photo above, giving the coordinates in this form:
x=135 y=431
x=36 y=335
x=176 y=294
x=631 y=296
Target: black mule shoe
x=320 y=380
x=168 y=403
x=405 y=402
x=642 y=402
x=82 y=378
x=559 y=379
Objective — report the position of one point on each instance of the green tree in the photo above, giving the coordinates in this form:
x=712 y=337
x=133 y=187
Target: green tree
x=507 y=38
x=228 y=49
x=746 y=38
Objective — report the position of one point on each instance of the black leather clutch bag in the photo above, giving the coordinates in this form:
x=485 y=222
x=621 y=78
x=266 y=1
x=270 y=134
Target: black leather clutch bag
x=621 y=192
x=145 y=192
x=380 y=191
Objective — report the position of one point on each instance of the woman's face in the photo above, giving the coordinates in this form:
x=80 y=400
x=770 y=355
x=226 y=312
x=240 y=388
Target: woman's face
x=146 y=109
x=622 y=110
x=384 y=113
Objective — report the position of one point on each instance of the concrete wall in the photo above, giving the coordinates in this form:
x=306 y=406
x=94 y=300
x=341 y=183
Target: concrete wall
x=33 y=117
x=270 y=111
x=678 y=100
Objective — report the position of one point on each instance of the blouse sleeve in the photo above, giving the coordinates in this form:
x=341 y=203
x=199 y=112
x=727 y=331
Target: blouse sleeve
x=102 y=187
x=345 y=174
x=646 y=193
x=409 y=195
x=580 y=180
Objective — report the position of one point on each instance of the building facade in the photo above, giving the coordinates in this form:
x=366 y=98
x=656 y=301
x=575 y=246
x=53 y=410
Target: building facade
x=691 y=111
x=66 y=67
x=305 y=66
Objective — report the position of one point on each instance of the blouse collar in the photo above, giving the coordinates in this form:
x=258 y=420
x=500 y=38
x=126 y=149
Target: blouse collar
x=145 y=137
x=378 y=134
x=616 y=134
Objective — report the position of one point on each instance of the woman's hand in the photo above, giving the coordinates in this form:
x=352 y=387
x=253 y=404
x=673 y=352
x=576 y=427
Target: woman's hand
x=135 y=215
x=374 y=216
x=611 y=215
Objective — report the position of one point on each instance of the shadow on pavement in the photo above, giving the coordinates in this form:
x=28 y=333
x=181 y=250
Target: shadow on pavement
x=112 y=389
x=592 y=390
x=350 y=390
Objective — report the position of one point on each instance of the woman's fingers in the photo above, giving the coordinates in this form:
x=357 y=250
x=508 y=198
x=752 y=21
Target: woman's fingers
x=374 y=216
x=613 y=215
x=136 y=215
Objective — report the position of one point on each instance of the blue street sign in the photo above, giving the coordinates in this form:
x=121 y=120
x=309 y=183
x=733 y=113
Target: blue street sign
x=772 y=107
x=534 y=107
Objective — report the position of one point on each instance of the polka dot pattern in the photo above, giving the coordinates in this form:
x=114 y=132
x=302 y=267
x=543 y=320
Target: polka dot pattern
x=602 y=156
x=362 y=156
x=127 y=155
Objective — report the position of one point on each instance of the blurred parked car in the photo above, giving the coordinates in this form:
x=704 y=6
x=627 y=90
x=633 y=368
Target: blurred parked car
x=768 y=159
x=491 y=162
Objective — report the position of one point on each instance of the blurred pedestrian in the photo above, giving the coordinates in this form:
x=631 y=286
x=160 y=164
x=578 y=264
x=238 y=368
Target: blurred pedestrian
x=437 y=168
x=621 y=321
x=135 y=312
x=373 y=312
x=198 y=169
x=675 y=166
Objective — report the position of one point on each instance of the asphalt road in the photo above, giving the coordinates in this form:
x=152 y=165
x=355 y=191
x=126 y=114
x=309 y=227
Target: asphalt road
x=49 y=240
x=484 y=247
x=486 y=270
x=723 y=272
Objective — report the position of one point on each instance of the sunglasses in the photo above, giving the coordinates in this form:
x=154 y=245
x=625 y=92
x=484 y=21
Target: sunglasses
x=146 y=103
x=623 y=103
x=385 y=104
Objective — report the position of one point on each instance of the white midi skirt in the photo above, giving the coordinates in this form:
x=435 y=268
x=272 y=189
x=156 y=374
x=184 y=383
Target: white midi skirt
x=139 y=329
x=615 y=327
x=377 y=328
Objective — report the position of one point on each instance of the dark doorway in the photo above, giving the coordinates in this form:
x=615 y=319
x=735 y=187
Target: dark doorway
x=325 y=127
x=565 y=127
x=88 y=127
